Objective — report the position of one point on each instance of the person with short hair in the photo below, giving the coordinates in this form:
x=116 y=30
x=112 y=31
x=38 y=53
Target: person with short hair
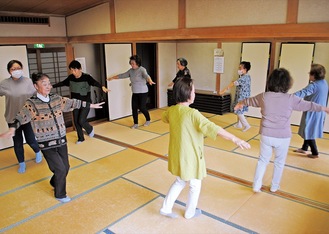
x=16 y=89
x=312 y=123
x=276 y=106
x=45 y=110
x=182 y=70
x=138 y=77
x=186 y=159
x=242 y=91
x=80 y=86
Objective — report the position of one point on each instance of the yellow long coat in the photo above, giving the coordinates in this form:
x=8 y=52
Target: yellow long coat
x=186 y=144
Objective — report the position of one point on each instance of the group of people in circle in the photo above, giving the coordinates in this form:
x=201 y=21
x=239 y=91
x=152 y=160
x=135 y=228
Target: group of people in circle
x=30 y=100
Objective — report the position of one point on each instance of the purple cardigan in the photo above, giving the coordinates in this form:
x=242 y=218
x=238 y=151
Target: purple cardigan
x=276 y=109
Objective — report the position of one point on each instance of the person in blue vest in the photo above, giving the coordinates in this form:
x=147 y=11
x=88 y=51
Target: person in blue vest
x=311 y=124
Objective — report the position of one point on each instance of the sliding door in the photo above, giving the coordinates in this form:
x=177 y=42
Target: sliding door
x=119 y=98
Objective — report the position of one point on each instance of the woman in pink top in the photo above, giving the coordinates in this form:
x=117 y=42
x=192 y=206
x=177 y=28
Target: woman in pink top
x=276 y=107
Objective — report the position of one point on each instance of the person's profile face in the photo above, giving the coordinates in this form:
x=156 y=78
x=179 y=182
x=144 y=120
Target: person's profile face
x=179 y=66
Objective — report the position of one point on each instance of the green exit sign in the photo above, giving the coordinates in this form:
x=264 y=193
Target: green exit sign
x=39 y=45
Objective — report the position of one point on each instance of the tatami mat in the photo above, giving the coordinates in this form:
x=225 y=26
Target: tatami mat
x=157 y=145
x=94 y=174
x=270 y=214
x=123 y=134
x=11 y=180
x=119 y=178
x=155 y=115
x=91 y=149
x=8 y=157
x=91 y=213
x=143 y=219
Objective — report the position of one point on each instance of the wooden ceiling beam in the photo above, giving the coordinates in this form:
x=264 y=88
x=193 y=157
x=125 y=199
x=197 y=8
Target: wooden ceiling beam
x=292 y=32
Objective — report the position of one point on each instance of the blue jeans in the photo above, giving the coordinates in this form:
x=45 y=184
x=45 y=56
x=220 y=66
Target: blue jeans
x=30 y=140
x=267 y=145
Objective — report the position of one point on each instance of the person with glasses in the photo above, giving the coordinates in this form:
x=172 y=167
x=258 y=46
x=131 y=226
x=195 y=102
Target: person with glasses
x=45 y=110
x=16 y=89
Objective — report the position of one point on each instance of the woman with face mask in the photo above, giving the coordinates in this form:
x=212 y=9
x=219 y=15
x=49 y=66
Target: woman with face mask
x=242 y=91
x=16 y=89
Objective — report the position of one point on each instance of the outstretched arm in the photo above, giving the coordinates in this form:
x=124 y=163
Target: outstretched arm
x=150 y=81
x=228 y=136
x=227 y=88
x=10 y=133
x=97 y=105
x=112 y=78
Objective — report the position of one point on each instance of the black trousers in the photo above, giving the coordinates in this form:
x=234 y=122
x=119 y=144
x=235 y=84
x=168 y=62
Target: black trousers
x=19 y=141
x=58 y=163
x=312 y=144
x=138 y=101
x=80 y=121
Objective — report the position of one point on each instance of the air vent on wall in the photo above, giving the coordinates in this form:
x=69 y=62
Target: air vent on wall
x=24 y=20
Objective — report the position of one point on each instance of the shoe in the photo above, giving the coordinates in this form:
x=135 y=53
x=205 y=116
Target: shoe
x=92 y=133
x=38 y=157
x=246 y=128
x=64 y=200
x=78 y=142
x=300 y=151
x=256 y=190
x=274 y=189
x=237 y=125
x=147 y=123
x=313 y=155
x=134 y=126
x=170 y=215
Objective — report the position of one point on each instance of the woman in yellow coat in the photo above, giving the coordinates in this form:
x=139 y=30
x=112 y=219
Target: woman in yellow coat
x=188 y=127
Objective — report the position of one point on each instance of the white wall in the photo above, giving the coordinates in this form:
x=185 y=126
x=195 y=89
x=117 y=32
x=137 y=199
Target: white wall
x=89 y=22
x=166 y=69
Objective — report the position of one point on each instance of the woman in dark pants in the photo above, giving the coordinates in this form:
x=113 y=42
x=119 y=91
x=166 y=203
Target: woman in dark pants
x=46 y=111
x=138 y=77
x=16 y=89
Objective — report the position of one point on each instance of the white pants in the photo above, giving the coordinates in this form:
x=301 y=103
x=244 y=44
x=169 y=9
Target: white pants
x=175 y=190
x=280 y=146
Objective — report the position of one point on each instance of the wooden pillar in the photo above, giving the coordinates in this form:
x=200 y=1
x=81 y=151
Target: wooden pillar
x=292 y=11
x=112 y=17
x=69 y=49
x=219 y=45
x=181 y=14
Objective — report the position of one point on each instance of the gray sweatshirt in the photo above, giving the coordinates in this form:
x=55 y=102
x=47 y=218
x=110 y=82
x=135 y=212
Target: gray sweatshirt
x=16 y=92
x=276 y=109
x=138 y=78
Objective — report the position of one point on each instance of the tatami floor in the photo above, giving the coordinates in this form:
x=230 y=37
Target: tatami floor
x=119 y=178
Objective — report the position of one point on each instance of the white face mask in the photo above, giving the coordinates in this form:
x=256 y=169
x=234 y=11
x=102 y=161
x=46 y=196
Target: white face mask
x=17 y=74
x=240 y=72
